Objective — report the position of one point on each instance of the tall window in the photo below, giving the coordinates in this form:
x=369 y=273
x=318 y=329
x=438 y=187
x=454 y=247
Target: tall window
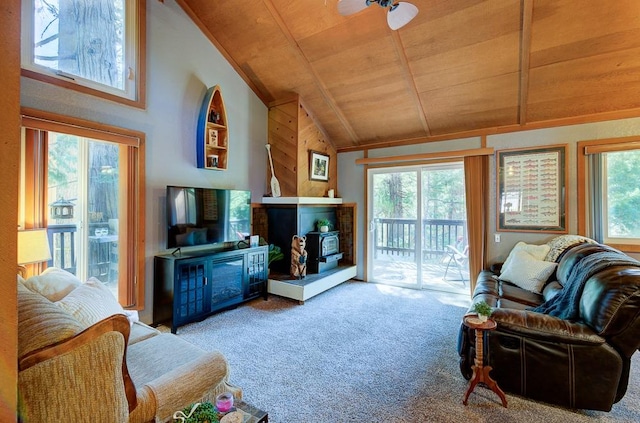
x=85 y=186
x=611 y=191
x=89 y=44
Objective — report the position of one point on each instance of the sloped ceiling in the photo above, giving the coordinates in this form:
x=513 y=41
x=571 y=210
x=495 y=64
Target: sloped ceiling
x=460 y=68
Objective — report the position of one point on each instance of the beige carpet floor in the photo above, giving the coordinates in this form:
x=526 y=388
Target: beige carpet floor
x=364 y=352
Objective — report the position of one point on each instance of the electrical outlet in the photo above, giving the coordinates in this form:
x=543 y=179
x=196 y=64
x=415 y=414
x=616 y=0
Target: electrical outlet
x=497 y=237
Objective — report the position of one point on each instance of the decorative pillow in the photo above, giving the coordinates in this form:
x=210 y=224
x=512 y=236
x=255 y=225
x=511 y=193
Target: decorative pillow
x=560 y=243
x=527 y=272
x=41 y=323
x=538 y=252
x=53 y=283
x=91 y=302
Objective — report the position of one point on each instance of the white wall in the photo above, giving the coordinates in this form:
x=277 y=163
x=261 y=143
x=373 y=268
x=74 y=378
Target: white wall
x=181 y=65
x=352 y=178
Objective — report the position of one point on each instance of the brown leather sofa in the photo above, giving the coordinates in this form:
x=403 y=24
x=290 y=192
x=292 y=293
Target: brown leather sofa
x=581 y=361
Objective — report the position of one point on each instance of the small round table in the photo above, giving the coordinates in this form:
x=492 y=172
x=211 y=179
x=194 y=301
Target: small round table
x=480 y=371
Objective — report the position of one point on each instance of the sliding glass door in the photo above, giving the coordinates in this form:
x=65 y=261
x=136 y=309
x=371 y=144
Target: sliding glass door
x=394 y=235
x=417 y=227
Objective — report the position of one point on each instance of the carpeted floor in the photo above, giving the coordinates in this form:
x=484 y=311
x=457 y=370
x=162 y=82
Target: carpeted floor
x=364 y=352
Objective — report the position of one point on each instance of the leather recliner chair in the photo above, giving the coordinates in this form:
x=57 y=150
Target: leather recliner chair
x=579 y=363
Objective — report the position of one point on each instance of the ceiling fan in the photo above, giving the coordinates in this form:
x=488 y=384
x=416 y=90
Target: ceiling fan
x=399 y=14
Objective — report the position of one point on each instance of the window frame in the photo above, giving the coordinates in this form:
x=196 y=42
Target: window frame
x=585 y=202
x=134 y=93
x=133 y=297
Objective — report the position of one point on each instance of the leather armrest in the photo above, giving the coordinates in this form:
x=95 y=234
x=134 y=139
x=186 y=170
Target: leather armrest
x=544 y=327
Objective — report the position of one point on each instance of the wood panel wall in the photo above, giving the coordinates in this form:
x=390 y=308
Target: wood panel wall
x=293 y=134
x=311 y=138
x=9 y=164
x=283 y=137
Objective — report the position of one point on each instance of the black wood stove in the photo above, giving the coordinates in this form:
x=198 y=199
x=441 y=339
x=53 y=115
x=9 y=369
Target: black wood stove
x=323 y=249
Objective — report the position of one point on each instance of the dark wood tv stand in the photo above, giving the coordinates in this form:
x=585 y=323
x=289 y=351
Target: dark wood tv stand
x=190 y=286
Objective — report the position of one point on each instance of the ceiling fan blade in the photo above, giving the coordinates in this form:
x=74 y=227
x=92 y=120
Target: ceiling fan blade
x=349 y=7
x=400 y=15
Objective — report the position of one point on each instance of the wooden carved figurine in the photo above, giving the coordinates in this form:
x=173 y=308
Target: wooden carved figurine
x=298 y=257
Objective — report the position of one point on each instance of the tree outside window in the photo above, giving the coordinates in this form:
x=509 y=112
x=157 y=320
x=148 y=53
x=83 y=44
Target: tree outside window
x=89 y=45
x=622 y=194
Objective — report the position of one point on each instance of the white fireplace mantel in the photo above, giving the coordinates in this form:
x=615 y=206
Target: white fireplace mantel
x=301 y=200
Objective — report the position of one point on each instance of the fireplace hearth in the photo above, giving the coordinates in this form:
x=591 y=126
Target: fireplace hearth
x=330 y=258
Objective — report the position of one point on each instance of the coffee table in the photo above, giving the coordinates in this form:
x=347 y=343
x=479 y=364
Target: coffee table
x=256 y=415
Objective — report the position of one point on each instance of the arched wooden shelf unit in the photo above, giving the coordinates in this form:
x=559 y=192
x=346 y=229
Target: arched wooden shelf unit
x=213 y=136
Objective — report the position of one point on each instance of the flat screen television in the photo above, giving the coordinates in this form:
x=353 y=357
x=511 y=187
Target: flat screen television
x=201 y=216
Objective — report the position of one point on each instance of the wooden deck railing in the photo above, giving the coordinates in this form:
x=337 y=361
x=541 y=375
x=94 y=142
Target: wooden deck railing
x=63 y=247
x=398 y=236
x=62 y=243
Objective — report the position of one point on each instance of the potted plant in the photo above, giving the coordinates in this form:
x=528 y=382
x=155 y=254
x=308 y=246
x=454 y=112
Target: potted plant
x=198 y=413
x=483 y=309
x=275 y=253
x=323 y=225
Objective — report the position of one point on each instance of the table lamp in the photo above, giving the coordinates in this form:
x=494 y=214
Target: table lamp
x=33 y=247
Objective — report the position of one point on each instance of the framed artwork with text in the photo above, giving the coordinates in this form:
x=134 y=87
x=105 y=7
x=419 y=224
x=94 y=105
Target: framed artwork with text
x=531 y=191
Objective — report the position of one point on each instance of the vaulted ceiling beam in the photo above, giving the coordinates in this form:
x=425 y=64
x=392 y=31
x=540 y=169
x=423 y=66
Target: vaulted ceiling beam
x=525 y=54
x=410 y=80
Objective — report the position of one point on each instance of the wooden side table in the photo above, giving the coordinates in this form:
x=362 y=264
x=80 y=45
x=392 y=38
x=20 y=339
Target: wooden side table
x=480 y=371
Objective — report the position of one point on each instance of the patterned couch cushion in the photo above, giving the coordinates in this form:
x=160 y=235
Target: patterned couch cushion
x=560 y=243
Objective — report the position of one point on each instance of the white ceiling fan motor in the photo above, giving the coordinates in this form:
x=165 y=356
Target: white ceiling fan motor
x=399 y=14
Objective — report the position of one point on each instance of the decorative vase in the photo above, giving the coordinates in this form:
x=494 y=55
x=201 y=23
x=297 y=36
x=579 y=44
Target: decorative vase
x=324 y=228
x=482 y=317
x=224 y=402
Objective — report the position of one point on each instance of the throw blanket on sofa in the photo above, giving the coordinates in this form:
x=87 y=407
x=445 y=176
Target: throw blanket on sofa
x=566 y=305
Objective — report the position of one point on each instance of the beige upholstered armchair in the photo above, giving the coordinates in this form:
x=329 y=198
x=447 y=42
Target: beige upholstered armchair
x=81 y=360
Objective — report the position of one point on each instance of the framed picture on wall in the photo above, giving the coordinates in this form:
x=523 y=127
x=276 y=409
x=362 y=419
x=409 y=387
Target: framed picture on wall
x=213 y=137
x=212 y=160
x=318 y=166
x=532 y=189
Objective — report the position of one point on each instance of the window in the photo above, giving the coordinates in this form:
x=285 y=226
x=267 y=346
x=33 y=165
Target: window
x=92 y=46
x=84 y=183
x=610 y=194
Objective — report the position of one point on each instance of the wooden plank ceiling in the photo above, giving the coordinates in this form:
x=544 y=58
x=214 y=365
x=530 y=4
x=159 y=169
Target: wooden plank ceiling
x=460 y=68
